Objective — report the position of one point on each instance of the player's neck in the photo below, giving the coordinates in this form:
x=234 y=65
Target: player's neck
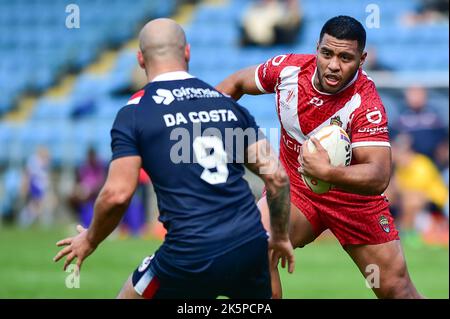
x=154 y=71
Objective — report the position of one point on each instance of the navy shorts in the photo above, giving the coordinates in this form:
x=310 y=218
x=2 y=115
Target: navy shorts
x=242 y=273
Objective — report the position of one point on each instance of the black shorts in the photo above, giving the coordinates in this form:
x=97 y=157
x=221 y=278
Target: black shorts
x=242 y=273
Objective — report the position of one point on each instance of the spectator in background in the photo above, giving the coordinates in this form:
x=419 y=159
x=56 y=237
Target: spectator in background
x=421 y=122
x=135 y=219
x=429 y=11
x=36 y=189
x=441 y=155
x=419 y=188
x=138 y=80
x=90 y=178
x=10 y=198
x=442 y=160
x=271 y=22
x=445 y=177
x=372 y=62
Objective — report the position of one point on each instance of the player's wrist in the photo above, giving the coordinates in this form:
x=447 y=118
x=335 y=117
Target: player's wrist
x=90 y=238
x=279 y=236
x=326 y=173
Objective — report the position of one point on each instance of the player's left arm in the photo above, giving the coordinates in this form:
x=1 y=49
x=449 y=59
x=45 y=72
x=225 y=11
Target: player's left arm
x=110 y=206
x=370 y=171
x=370 y=176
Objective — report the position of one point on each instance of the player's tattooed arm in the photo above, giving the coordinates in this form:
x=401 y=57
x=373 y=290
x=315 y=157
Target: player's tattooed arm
x=262 y=160
x=240 y=83
x=278 y=199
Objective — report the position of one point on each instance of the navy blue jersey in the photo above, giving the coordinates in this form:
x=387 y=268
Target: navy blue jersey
x=178 y=128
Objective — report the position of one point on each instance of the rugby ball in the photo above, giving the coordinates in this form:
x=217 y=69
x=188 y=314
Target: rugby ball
x=337 y=144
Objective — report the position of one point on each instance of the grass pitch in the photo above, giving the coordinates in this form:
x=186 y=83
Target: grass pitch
x=323 y=269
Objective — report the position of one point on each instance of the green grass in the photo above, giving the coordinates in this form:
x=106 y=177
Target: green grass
x=323 y=269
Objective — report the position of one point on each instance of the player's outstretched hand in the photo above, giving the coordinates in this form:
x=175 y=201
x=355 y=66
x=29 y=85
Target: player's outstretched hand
x=282 y=249
x=76 y=247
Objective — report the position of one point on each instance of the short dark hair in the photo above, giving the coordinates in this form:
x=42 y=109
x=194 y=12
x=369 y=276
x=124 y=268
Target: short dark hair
x=345 y=28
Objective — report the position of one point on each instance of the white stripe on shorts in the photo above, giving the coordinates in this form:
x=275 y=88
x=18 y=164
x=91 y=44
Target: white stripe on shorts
x=143 y=283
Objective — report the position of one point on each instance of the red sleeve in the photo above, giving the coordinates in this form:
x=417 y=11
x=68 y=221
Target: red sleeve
x=370 y=124
x=266 y=75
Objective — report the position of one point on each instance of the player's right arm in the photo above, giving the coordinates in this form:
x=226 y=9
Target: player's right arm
x=262 y=160
x=240 y=83
x=258 y=79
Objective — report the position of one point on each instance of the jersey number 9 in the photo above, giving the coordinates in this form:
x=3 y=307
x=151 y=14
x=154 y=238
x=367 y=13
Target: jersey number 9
x=216 y=160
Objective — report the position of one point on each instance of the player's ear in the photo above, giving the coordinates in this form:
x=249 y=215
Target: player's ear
x=363 y=59
x=140 y=58
x=187 y=53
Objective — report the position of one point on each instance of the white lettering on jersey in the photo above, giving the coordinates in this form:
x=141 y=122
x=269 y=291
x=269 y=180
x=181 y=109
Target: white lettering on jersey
x=276 y=61
x=316 y=101
x=169 y=119
x=200 y=117
x=287 y=102
x=373 y=130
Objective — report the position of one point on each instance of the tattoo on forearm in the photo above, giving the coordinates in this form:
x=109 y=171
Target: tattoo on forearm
x=278 y=199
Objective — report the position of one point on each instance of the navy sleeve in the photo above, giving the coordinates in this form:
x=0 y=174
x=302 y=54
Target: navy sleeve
x=123 y=134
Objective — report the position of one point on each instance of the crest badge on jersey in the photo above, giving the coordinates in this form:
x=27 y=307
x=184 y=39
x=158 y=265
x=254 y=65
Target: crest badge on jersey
x=384 y=223
x=336 y=121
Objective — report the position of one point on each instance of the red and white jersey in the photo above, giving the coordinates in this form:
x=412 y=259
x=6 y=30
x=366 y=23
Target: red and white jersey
x=303 y=110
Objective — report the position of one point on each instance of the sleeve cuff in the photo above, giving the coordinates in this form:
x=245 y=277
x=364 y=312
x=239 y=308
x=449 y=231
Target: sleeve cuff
x=258 y=82
x=371 y=143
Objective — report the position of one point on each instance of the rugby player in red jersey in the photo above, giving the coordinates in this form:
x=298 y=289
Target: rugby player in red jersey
x=313 y=91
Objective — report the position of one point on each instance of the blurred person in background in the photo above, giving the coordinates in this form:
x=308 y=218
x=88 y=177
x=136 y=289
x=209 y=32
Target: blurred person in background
x=134 y=221
x=442 y=161
x=419 y=193
x=428 y=11
x=90 y=177
x=10 y=199
x=445 y=178
x=372 y=62
x=36 y=190
x=421 y=122
x=271 y=22
x=441 y=155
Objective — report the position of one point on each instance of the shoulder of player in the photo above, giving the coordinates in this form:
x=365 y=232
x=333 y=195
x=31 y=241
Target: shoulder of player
x=136 y=97
x=143 y=97
x=365 y=82
x=302 y=58
x=366 y=87
x=296 y=59
x=289 y=59
x=131 y=105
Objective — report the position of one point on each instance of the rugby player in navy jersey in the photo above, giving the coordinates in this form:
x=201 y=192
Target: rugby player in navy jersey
x=175 y=128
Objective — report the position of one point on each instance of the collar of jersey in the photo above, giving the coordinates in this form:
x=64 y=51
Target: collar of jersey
x=324 y=93
x=172 y=76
